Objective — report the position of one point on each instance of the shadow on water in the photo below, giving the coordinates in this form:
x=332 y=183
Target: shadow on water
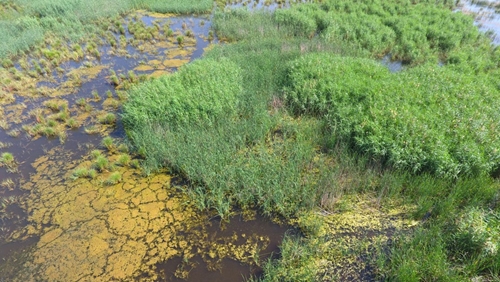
x=229 y=269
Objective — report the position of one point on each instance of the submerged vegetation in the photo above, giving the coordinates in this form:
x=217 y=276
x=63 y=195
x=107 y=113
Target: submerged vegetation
x=318 y=118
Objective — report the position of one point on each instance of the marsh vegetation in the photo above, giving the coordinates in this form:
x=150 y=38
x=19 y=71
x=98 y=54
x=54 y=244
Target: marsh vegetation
x=387 y=175
x=317 y=118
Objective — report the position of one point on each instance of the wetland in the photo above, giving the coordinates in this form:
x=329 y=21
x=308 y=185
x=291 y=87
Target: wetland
x=249 y=141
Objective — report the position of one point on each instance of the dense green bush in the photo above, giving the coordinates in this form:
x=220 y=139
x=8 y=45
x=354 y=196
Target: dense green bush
x=424 y=119
x=411 y=31
x=200 y=93
x=301 y=23
x=321 y=82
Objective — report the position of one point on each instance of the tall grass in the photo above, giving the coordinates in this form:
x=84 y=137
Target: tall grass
x=306 y=128
x=424 y=119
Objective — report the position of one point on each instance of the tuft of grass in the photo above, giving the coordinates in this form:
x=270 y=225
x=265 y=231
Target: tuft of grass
x=72 y=123
x=95 y=154
x=114 y=178
x=180 y=40
x=95 y=95
x=100 y=164
x=135 y=164
x=108 y=118
x=124 y=160
x=92 y=129
x=108 y=143
x=84 y=173
x=81 y=102
x=7 y=159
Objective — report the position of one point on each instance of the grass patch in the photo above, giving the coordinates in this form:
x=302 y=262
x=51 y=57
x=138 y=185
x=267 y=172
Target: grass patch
x=114 y=178
x=315 y=118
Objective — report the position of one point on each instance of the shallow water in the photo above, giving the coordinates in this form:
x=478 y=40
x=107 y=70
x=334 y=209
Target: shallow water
x=486 y=16
x=55 y=228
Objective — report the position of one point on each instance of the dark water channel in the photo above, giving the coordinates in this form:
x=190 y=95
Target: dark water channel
x=19 y=246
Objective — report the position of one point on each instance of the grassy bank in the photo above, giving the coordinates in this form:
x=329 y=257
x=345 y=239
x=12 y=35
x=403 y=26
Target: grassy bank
x=24 y=24
x=317 y=118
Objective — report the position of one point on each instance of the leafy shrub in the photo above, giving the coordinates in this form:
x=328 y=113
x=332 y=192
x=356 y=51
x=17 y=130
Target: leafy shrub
x=365 y=31
x=200 y=92
x=319 y=83
x=425 y=119
x=301 y=23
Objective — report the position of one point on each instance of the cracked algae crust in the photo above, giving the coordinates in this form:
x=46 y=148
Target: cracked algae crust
x=92 y=232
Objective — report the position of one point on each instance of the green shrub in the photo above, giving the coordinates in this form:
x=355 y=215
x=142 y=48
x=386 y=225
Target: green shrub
x=201 y=92
x=302 y=24
x=425 y=119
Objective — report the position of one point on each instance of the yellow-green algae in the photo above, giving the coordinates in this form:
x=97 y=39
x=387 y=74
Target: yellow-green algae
x=91 y=232
x=347 y=237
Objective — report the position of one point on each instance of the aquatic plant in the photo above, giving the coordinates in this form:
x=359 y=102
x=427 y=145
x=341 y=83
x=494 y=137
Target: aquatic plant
x=72 y=123
x=394 y=117
x=91 y=129
x=81 y=102
x=7 y=160
x=4 y=124
x=8 y=183
x=180 y=39
x=62 y=136
x=192 y=95
x=108 y=118
x=123 y=160
x=101 y=163
x=114 y=178
x=14 y=132
x=95 y=95
x=108 y=143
